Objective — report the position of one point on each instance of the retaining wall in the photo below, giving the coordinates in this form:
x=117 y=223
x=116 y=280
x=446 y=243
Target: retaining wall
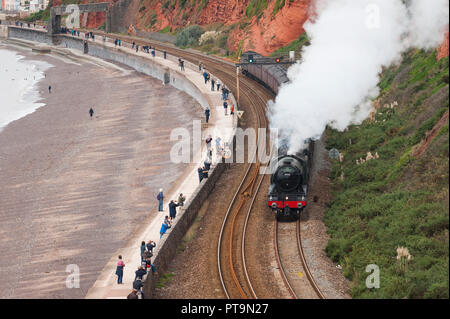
x=141 y=64
x=29 y=34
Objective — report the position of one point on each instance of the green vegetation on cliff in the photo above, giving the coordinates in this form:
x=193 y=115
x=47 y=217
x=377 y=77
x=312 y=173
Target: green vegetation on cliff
x=401 y=198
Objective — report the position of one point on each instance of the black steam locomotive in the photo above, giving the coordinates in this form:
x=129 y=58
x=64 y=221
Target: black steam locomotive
x=289 y=184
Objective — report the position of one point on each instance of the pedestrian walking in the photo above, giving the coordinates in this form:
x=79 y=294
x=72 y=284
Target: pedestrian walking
x=225 y=107
x=49 y=89
x=160 y=198
x=200 y=66
x=182 y=65
x=133 y=44
x=173 y=209
x=165 y=55
x=213 y=84
x=207 y=114
x=91 y=112
x=119 y=270
x=218 y=84
x=231 y=109
x=137 y=48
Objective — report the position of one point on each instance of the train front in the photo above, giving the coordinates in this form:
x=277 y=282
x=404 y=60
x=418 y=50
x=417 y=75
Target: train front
x=287 y=192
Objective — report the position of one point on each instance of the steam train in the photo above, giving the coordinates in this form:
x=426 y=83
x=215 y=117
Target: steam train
x=289 y=183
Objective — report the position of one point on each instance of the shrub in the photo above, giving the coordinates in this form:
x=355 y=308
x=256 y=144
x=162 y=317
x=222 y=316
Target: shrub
x=189 y=36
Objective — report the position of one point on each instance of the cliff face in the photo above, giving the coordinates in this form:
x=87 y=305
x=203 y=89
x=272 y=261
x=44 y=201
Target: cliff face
x=259 y=25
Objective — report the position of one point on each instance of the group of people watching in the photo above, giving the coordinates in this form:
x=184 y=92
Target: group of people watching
x=146 y=264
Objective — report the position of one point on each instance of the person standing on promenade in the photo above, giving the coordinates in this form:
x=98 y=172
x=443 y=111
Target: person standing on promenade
x=150 y=245
x=218 y=84
x=225 y=107
x=213 y=84
x=142 y=250
x=119 y=270
x=160 y=198
x=49 y=89
x=140 y=273
x=207 y=114
x=205 y=76
x=200 y=174
x=91 y=112
x=165 y=55
x=181 y=200
x=173 y=209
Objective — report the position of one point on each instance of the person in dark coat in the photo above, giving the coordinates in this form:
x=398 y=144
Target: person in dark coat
x=142 y=250
x=140 y=273
x=200 y=173
x=91 y=112
x=225 y=107
x=160 y=198
x=49 y=89
x=173 y=209
x=150 y=245
x=207 y=114
x=213 y=84
x=165 y=55
x=205 y=76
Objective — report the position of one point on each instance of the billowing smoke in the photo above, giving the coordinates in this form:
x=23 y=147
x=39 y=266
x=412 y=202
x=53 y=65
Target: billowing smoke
x=351 y=40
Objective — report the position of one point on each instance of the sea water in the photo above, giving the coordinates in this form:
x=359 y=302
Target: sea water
x=19 y=94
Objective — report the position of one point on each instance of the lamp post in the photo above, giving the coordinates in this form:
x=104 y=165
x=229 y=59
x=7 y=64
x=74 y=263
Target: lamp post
x=238 y=71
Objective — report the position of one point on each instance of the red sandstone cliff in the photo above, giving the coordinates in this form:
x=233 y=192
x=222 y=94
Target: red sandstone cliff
x=443 y=48
x=264 y=34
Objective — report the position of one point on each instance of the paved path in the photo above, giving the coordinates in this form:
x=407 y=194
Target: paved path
x=219 y=125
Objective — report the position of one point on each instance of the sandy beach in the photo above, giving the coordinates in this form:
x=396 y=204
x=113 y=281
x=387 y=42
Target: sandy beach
x=73 y=189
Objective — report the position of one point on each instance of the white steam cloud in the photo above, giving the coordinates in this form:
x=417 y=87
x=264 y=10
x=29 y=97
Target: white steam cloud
x=351 y=40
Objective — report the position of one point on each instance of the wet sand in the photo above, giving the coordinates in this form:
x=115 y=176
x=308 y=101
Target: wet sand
x=73 y=189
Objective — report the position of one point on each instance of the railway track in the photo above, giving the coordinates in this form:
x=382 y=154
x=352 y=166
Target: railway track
x=292 y=263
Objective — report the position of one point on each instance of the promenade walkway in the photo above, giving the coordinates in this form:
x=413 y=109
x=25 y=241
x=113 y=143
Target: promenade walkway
x=219 y=125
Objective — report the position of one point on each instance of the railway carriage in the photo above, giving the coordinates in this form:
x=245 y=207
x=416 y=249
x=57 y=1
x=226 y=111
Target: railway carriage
x=271 y=76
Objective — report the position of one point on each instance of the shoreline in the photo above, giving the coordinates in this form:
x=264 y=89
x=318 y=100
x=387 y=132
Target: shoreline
x=63 y=166
x=29 y=100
